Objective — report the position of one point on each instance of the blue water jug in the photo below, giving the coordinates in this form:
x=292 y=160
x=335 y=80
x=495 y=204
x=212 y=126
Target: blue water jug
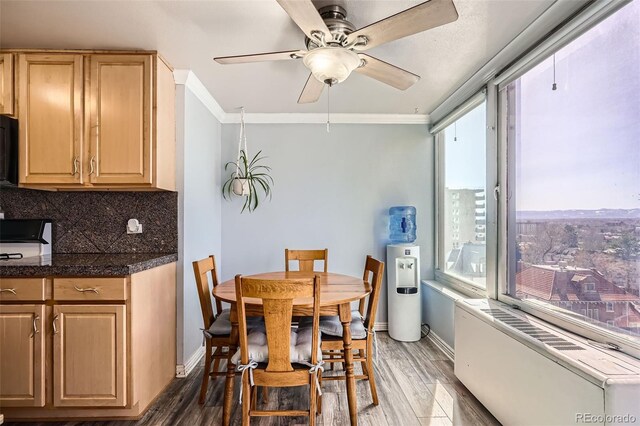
x=402 y=224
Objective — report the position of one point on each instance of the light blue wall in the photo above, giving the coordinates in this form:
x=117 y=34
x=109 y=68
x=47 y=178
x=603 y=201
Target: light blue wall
x=199 y=201
x=331 y=190
x=438 y=311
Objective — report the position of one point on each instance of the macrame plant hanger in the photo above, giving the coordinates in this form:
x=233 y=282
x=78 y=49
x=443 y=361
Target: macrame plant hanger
x=242 y=188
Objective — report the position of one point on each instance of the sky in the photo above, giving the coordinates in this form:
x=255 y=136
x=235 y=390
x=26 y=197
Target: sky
x=465 y=158
x=579 y=146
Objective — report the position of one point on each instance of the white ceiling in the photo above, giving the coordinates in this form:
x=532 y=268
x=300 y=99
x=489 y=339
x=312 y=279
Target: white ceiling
x=190 y=33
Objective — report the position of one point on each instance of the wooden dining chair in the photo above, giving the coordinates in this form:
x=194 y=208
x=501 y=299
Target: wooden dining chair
x=217 y=327
x=362 y=330
x=305 y=258
x=273 y=365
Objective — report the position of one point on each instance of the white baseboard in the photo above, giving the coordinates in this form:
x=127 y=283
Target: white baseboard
x=183 y=370
x=382 y=326
x=441 y=344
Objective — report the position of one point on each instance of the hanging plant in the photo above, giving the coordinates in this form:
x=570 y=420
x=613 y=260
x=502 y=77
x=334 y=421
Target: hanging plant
x=248 y=178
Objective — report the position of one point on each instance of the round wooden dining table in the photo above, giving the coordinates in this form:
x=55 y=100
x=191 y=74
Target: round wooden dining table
x=337 y=291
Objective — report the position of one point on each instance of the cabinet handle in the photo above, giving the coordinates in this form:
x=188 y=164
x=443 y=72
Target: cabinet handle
x=55 y=329
x=8 y=290
x=92 y=165
x=82 y=290
x=76 y=168
x=36 y=318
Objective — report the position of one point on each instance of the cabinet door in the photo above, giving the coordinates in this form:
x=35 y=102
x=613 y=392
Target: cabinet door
x=89 y=356
x=121 y=99
x=50 y=115
x=6 y=84
x=21 y=356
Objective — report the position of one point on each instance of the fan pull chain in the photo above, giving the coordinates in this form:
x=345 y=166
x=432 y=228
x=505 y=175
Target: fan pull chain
x=328 y=107
x=554 y=86
x=455 y=131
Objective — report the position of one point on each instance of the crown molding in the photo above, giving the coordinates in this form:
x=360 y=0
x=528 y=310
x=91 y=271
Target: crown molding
x=188 y=79
x=321 y=118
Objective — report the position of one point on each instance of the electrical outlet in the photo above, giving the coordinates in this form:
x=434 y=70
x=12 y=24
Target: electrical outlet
x=134 y=227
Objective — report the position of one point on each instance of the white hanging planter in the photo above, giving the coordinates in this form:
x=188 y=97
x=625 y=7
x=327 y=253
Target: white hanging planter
x=241 y=187
x=251 y=178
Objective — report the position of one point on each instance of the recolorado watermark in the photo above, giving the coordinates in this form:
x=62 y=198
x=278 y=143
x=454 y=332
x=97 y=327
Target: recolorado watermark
x=605 y=418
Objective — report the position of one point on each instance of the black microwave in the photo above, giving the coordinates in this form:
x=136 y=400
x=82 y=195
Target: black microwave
x=8 y=151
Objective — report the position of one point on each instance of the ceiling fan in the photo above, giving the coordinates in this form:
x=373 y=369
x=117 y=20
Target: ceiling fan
x=334 y=46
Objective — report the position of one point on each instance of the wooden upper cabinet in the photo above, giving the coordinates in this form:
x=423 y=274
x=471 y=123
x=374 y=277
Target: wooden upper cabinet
x=89 y=356
x=50 y=116
x=94 y=120
x=22 y=362
x=120 y=93
x=6 y=84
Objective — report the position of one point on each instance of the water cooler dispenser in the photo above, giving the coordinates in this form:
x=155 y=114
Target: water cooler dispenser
x=403 y=276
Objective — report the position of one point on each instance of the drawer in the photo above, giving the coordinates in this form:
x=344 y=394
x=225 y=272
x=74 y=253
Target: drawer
x=90 y=289
x=22 y=289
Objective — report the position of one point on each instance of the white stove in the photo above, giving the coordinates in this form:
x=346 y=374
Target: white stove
x=44 y=260
x=25 y=242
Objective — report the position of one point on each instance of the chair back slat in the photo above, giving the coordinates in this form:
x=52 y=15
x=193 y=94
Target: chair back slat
x=373 y=270
x=306 y=259
x=201 y=269
x=277 y=321
x=277 y=302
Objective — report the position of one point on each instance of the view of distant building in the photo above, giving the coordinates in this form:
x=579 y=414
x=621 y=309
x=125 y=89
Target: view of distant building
x=468 y=260
x=466 y=212
x=581 y=290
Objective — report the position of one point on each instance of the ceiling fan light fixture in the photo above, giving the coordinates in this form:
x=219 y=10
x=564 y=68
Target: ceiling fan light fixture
x=332 y=64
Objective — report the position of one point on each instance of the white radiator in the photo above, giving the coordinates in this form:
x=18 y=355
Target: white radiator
x=527 y=372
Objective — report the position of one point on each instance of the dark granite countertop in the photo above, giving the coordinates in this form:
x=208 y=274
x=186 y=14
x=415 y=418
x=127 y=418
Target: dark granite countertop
x=78 y=265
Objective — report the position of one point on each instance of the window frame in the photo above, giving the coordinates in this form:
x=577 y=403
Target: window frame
x=460 y=284
x=546 y=312
x=497 y=171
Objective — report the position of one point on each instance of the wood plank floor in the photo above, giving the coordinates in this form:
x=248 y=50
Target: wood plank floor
x=416 y=386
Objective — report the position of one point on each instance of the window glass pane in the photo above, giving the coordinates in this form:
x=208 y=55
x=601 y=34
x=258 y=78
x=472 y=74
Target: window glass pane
x=464 y=197
x=574 y=224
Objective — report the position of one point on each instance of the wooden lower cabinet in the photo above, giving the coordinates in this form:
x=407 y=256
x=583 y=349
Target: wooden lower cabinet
x=22 y=364
x=106 y=356
x=89 y=356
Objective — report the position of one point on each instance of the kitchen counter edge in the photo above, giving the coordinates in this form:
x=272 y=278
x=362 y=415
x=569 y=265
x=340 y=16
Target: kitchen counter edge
x=82 y=269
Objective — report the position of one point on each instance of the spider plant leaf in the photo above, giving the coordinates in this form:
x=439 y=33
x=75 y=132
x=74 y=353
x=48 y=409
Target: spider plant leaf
x=256 y=158
x=264 y=186
x=245 y=205
x=256 y=199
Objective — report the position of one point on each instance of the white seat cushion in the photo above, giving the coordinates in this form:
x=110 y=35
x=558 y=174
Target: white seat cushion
x=222 y=325
x=299 y=350
x=331 y=326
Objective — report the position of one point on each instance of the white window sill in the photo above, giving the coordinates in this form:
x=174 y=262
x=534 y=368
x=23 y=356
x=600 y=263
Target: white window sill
x=467 y=290
x=445 y=290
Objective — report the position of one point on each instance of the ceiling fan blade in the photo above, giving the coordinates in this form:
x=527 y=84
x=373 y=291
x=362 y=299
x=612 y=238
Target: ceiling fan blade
x=312 y=91
x=261 y=57
x=306 y=16
x=422 y=17
x=386 y=73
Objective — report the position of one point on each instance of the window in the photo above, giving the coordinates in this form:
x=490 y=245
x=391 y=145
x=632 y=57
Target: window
x=462 y=180
x=573 y=160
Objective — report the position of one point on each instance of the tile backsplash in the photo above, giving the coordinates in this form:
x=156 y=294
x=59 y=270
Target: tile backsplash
x=95 y=222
